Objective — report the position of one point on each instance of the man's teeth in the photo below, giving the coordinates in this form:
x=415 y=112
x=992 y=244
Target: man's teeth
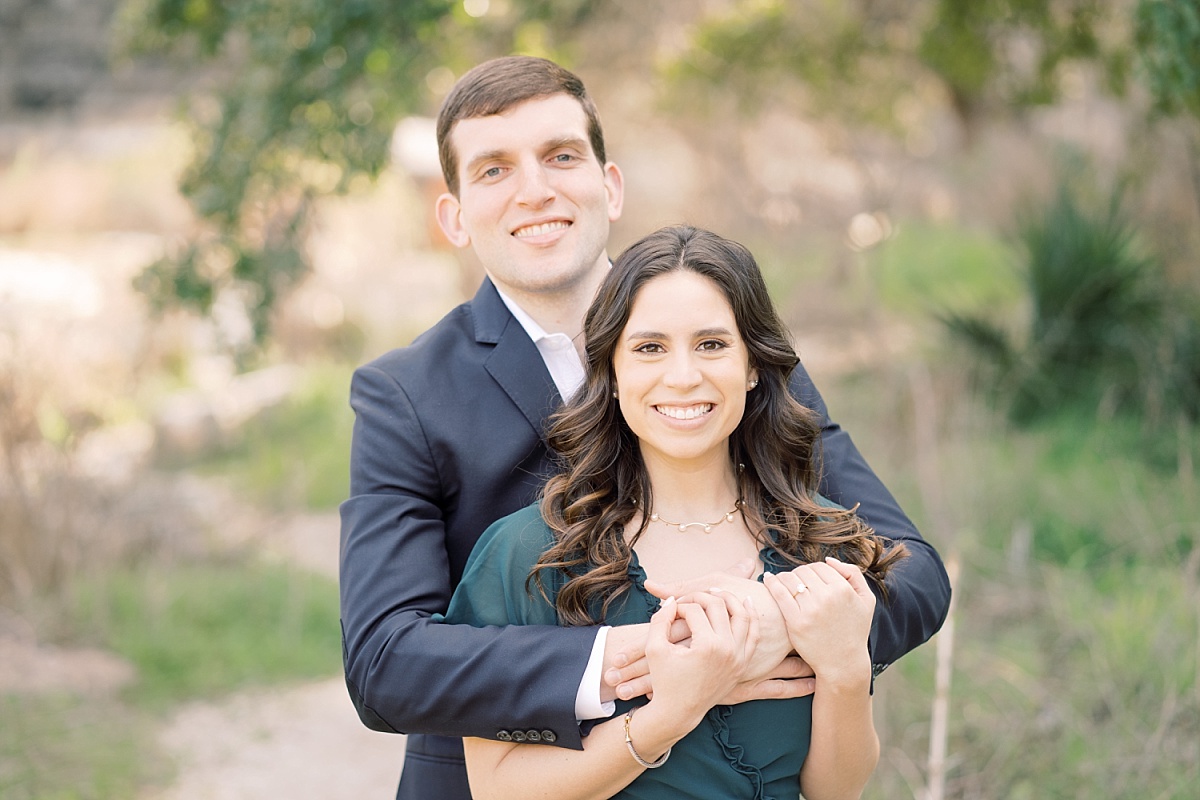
x=539 y=230
x=688 y=412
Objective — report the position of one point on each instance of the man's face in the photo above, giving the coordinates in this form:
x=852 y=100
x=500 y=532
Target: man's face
x=533 y=201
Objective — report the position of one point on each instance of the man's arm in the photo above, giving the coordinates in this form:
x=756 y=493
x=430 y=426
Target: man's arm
x=405 y=671
x=918 y=588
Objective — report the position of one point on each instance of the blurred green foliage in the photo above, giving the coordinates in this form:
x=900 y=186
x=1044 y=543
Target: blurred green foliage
x=68 y=747
x=924 y=267
x=202 y=629
x=314 y=92
x=1168 y=41
x=1076 y=656
x=297 y=456
x=989 y=55
x=1102 y=327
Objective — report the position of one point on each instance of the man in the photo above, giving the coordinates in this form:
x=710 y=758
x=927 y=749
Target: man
x=448 y=438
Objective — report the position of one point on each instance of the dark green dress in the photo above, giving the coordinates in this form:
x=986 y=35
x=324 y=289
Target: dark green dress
x=750 y=750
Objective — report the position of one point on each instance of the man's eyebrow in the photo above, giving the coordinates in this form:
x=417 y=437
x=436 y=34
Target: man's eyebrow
x=575 y=142
x=487 y=155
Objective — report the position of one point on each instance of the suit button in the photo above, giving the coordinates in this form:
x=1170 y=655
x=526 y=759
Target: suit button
x=548 y=736
x=518 y=736
x=533 y=736
x=504 y=736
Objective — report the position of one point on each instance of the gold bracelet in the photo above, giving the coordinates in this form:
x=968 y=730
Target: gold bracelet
x=634 y=753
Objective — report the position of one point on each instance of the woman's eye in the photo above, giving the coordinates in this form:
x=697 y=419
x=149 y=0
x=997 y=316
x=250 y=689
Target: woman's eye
x=712 y=344
x=649 y=347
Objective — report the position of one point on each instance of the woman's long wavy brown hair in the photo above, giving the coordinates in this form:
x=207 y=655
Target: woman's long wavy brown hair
x=603 y=481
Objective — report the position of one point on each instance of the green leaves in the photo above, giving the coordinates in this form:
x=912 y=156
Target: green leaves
x=1102 y=328
x=316 y=91
x=1168 y=43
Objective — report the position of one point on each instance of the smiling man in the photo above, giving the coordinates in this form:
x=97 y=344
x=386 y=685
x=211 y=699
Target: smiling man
x=448 y=438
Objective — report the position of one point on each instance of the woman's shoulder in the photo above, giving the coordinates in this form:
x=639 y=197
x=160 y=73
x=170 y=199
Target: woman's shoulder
x=521 y=536
x=825 y=502
x=493 y=589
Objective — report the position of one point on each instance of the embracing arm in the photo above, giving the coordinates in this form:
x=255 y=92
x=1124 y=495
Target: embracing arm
x=918 y=588
x=691 y=679
x=405 y=671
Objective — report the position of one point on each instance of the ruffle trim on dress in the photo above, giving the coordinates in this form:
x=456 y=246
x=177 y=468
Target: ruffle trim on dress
x=638 y=575
x=718 y=716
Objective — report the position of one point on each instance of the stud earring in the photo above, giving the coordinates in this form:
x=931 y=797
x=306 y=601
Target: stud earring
x=754 y=383
x=614 y=395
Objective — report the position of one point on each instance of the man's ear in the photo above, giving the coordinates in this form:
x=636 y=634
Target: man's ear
x=449 y=217
x=614 y=183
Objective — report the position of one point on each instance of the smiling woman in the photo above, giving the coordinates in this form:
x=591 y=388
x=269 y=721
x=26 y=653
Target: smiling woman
x=684 y=452
x=682 y=373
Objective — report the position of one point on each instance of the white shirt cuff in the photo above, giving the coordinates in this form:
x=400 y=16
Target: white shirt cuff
x=587 y=699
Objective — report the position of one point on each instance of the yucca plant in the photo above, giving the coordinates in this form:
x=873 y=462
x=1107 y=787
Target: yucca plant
x=1093 y=329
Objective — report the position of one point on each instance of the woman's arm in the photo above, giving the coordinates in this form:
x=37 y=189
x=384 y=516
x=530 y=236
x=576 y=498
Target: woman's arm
x=689 y=680
x=828 y=609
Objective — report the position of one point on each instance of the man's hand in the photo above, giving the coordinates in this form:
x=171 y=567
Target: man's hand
x=773 y=641
x=792 y=678
x=626 y=672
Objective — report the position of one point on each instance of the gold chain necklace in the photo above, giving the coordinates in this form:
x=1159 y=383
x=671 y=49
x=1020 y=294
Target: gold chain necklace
x=707 y=526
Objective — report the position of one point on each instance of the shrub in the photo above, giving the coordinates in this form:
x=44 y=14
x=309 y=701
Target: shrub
x=1101 y=331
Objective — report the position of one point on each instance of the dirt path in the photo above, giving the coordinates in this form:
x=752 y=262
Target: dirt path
x=301 y=742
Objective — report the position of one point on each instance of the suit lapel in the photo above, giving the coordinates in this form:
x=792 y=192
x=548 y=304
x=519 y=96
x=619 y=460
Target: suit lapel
x=515 y=363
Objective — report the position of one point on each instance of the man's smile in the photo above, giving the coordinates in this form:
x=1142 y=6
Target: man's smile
x=541 y=228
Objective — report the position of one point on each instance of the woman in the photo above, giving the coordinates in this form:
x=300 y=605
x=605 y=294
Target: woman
x=684 y=452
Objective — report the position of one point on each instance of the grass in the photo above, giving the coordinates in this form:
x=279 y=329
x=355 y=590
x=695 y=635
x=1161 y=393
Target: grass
x=925 y=267
x=192 y=631
x=63 y=747
x=298 y=455
x=1076 y=660
x=198 y=630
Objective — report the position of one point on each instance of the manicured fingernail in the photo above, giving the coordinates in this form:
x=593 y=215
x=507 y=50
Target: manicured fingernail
x=669 y=600
x=714 y=589
x=749 y=603
x=831 y=558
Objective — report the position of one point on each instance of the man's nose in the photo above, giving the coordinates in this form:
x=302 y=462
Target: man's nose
x=535 y=190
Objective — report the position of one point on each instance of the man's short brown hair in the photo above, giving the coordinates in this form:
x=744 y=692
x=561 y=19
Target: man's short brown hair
x=495 y=86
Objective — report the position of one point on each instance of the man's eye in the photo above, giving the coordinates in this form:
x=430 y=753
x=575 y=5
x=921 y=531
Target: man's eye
x=563 y=158
x=492 y=172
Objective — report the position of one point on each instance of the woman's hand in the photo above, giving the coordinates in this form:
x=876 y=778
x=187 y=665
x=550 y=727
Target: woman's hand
x=828 y=609
x=691 y=677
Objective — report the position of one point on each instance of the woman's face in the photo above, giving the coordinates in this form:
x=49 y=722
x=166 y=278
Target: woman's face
x=682 y=370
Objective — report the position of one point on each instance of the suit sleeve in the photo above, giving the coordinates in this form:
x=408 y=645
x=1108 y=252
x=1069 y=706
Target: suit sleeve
x=918 y=588
x=406 y=671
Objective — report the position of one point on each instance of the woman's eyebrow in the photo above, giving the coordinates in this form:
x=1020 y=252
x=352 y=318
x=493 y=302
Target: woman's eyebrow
x=697 y=334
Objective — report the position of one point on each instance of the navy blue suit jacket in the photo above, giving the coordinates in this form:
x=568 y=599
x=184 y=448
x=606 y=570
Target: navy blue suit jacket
x=448 y=439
